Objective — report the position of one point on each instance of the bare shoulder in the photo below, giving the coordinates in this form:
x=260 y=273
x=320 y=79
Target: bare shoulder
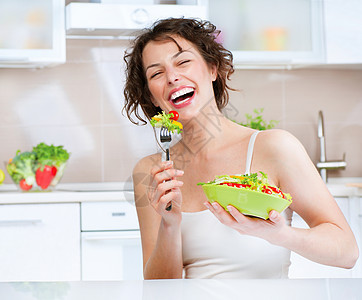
x=279 y=138
x=284 y=154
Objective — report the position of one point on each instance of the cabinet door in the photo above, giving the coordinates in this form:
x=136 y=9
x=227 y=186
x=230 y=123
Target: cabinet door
x=343 y=26
x=112 y=256
x=267 y=32
x=304 y=268
x=40 y=242
x=32 y=33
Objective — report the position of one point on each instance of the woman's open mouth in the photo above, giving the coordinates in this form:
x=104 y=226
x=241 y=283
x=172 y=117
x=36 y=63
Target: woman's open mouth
x=182 y=97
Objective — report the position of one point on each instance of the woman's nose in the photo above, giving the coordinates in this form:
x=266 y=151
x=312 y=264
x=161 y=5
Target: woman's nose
x=172 y=76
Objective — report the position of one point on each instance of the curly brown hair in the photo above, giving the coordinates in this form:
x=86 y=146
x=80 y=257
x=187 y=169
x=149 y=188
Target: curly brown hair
x=202 y=34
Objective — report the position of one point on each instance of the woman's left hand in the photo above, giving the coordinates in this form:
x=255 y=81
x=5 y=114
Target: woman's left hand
x=273 y=230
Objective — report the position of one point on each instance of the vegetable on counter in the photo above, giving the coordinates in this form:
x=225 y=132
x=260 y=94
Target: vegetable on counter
x=44 y=165
x=21 y=169
x=167 y=120
x=250 y=182
x=50 y=163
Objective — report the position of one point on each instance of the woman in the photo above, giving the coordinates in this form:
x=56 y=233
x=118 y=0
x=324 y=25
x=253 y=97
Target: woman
x=178 y=65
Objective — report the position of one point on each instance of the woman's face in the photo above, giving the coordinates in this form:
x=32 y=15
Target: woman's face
x=178 y=79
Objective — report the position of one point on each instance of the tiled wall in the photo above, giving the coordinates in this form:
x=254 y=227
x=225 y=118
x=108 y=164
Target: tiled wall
x=78 y=105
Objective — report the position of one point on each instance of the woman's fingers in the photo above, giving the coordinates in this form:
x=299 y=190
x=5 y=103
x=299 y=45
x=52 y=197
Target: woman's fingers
x=163 y=187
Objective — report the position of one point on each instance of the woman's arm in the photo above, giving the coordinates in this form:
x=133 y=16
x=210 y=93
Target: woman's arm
x=160 y=229
x=329 y=240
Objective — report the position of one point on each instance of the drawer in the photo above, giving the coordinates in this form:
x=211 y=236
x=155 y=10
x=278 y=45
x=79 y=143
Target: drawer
x=97 y=216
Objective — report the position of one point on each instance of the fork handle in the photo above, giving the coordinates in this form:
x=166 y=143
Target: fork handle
x=167 y=154
x=169 y=205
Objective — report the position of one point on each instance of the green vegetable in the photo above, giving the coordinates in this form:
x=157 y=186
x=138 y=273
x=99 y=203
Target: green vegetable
x=51 y=155
x=257 y=122
x=22 y=167
x=165 y=120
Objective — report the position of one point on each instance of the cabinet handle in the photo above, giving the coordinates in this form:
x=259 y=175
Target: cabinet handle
x=20 y=222
x=112 y=237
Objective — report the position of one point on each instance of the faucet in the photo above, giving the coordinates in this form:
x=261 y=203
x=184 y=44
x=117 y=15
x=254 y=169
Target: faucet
x=323 y=165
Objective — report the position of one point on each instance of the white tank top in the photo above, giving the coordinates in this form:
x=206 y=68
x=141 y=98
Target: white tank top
x=213 y=250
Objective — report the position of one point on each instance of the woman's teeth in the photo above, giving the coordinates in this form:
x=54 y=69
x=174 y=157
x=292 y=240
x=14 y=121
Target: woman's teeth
x=181 y=95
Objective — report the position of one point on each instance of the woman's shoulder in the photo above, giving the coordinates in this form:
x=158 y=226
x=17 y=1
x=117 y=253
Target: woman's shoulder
x=278 y=139
x=146 y=163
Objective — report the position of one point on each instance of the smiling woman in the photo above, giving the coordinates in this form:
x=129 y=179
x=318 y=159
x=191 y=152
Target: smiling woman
x=177 y=64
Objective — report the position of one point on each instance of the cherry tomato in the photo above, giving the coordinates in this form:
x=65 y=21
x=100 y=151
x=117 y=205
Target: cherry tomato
x=175 y=115
x=24 y=186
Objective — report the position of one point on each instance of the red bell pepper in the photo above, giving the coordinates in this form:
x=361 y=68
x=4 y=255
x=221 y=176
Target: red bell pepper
x=44 y=175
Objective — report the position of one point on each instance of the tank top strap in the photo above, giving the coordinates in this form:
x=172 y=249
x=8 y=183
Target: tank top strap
x=249 y=155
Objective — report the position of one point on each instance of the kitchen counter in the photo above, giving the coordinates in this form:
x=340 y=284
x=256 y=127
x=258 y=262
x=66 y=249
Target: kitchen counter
x=123 y=191
x=69 y=193
x=177 y=289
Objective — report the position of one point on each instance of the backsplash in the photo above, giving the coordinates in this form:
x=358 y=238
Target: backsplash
x=78 y=105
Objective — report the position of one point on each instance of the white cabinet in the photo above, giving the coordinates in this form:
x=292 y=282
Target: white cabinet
x=111 y=243
x=304 y=268
x=112 y=19
x=40 y=242
x=343 y=31
x=32 y=33
x=263 y=32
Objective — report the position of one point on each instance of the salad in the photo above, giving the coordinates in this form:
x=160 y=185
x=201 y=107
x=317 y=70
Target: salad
x=250 y=182
x=44 y=165
x=167 y=120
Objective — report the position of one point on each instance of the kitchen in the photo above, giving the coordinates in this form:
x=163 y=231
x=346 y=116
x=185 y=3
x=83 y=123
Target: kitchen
x=77 y=103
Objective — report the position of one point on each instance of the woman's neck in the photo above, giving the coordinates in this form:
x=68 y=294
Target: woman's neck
x=205 y=130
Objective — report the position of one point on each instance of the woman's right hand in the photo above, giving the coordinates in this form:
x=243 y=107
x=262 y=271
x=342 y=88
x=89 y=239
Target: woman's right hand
x=165 y=187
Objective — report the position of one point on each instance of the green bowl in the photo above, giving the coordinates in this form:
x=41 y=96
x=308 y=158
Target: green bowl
x=248 y=202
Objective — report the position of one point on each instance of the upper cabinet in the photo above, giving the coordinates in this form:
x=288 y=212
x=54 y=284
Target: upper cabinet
x=124 y=18
x=343 y=31
x=270 y=33
x=32 y=33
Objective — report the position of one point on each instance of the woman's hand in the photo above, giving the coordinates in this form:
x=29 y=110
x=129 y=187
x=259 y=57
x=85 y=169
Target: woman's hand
x=273 y=230
x=164 y=188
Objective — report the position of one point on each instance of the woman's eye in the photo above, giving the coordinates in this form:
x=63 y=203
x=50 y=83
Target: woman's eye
x=184 y=62
x=155 y=74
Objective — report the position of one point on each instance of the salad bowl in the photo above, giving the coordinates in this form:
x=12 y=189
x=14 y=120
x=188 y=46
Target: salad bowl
x=249 y=194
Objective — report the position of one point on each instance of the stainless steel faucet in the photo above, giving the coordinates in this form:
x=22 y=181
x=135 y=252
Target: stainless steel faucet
x=323 y=165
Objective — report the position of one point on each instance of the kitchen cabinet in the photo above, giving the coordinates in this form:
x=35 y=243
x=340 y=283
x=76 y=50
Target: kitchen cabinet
x=32 y=33
x=111 y=242
x=304 y=268
x=124 y=20
x=270 y=33
x=40 y=242
x=343 y=31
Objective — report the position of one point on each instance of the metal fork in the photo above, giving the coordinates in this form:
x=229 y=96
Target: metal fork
x=165 y=138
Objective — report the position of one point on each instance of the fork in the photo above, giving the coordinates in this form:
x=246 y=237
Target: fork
x=165 y=138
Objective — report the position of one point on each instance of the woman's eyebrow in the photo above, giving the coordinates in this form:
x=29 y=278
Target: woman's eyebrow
x=173 y=57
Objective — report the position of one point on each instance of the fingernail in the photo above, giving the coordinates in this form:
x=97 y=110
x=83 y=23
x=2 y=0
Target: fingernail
x=206 y=204
x=179 y=172
x=230 y=208
x=215 y=206
x=169 y=163
x=180 y=183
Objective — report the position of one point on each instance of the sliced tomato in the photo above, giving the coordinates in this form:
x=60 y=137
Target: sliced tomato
x=175 y=115
x=24 y=186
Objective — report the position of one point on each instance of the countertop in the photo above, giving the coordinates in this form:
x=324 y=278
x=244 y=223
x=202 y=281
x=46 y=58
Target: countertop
x=123 y=191
x=69 y=192
x=190 y=289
